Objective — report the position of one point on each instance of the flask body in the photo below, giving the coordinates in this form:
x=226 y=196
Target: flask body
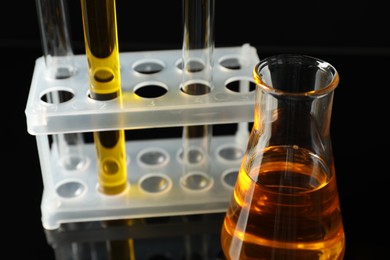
x=285 y=202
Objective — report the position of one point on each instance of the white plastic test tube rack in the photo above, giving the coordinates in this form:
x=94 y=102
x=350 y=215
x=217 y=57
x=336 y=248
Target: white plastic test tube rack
x=155 y=172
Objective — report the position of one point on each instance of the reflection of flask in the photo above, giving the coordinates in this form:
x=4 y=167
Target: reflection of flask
x=285 y=203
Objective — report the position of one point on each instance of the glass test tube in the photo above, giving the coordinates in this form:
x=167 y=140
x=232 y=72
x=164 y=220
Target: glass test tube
x=57 y=48
x=101 y=46
x=58 y=56
x=102 y=52
x=197 y=64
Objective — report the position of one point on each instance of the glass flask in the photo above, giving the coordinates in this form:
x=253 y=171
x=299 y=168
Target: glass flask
x=285 y=203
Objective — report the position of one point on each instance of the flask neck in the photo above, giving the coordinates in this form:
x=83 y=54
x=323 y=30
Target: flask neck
x=302 y=122
x=295 y=111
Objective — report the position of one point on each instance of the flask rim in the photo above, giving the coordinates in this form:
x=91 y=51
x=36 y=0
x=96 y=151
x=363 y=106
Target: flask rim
x=289 y=58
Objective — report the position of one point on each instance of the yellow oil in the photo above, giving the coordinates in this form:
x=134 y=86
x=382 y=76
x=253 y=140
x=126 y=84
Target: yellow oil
x=101 y=47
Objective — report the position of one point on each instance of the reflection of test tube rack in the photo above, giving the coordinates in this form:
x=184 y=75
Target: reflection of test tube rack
x=155 y=166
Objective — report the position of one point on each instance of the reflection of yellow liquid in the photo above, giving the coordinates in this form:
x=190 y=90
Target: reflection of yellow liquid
x=290 y=212
x=121 y=249
x=101 y=44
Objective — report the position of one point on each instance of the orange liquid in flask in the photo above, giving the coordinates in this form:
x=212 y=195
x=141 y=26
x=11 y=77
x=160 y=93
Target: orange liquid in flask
x=284 y=210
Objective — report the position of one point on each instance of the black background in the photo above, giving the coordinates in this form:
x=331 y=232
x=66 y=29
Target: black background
x=352 y=36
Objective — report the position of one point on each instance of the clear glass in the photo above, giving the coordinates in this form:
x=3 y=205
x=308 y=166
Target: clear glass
x=58 y=55
x=285 y=203
x=54 y=28
x=197 y=66
x=198 y=42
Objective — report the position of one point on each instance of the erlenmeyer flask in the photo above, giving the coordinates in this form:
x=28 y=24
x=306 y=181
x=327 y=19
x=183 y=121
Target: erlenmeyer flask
x=285 y=203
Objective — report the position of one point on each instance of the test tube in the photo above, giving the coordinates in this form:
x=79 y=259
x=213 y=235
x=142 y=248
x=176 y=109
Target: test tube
x=58 y=56
x=54 y=29
x=101 y=46
x=102 y=53
x=197 y=68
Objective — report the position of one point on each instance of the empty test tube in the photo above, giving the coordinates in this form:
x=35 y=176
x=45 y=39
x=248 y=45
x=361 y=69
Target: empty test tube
x=198 y=45
x=54 y=29
x=197 y=61
x=58 y=56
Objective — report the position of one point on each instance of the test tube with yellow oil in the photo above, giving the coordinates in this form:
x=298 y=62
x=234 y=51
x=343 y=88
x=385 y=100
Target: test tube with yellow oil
x=102 y=52
x=101 y=46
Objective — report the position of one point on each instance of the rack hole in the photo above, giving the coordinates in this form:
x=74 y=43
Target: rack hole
x=241 y=85
x=196 y=181
x=149 y=67
x=192 y=66
x=155 y=183
x=153 y=157
x=195 y=88
x=70 y=189
x=229 y=177
x=231 y=153
x=57 y=96
x=231 y=63
x=73 y=162
x=194 y=156
x=151 y=90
